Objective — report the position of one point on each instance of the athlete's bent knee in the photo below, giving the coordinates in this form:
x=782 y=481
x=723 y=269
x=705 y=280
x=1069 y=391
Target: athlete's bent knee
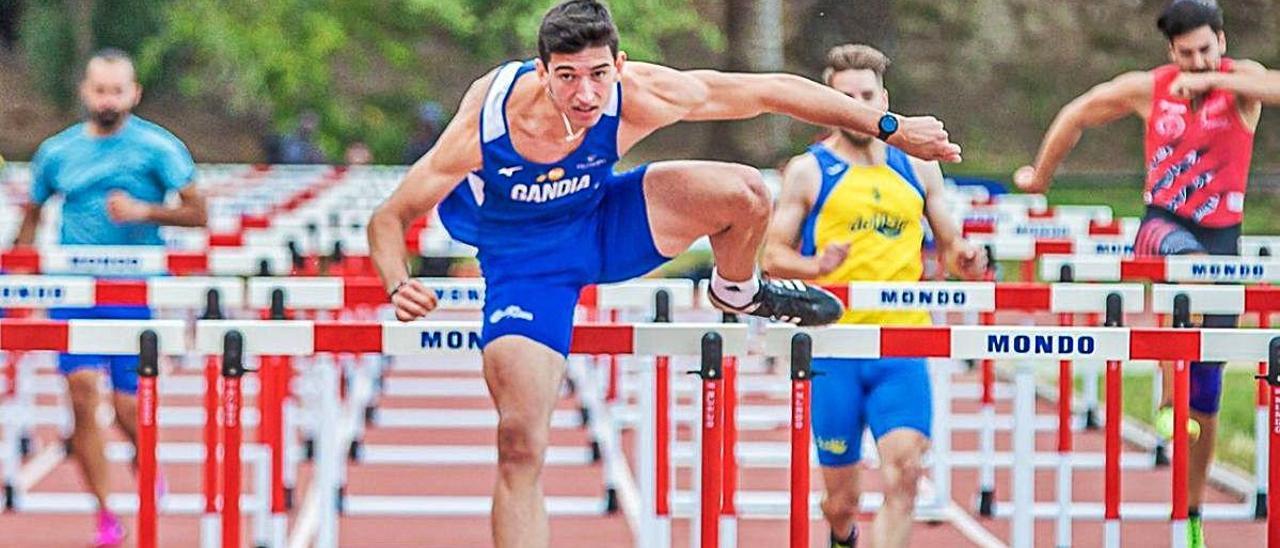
x=83 y=391
x=751 y=196
x=840 y=506
x=902 y=479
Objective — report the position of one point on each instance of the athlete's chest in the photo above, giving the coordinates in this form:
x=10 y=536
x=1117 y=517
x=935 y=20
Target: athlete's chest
x=1175 y=119
x=95 y=168
x=871 y=199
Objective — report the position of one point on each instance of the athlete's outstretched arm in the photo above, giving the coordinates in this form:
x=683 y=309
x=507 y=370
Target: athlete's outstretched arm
x=428 y=182
x=668 y=96
x=1127 y=94
x=961 y=258
x=781 y=259
x=1249 y=79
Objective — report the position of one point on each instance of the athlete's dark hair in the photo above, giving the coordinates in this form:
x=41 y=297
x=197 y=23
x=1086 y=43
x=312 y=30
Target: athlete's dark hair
x=574 y=25
x=1183 y=16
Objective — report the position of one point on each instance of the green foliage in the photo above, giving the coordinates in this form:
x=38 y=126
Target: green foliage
x=48 y=40
x=360 y=64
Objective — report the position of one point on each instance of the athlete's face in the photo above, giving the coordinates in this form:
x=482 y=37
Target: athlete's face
x=581 y=84
x=1200 y=50
x=866 y=88
x=109 y=91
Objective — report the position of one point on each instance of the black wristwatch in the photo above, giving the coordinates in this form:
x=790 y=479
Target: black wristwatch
x=888 y=125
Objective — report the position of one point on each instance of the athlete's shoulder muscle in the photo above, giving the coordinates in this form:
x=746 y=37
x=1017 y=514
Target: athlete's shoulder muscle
x=458 y=148
x=801 y=180
x=930 y=175
x=655 y=96
x=1129 y=93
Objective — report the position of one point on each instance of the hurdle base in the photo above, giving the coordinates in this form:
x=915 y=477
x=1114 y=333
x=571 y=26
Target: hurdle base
x=986 y=503
x=340 y=500
x=10 y=497
x=309 y=449
x=611 y=501
x=354 y=451
x=1260 y=506
x=1162 y=455
x=596 y=453
x=288 y=497
x=24 y=445
x=370 y=415
x=1091 y=420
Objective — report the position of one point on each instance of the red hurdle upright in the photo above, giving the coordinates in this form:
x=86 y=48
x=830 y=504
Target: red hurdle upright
x=148 y=369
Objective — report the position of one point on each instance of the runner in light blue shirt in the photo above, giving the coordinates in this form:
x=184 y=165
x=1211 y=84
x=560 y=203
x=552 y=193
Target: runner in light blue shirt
x=113 y=172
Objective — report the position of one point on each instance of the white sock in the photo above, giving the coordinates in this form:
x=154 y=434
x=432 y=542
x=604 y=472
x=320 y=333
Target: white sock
x=735 y=294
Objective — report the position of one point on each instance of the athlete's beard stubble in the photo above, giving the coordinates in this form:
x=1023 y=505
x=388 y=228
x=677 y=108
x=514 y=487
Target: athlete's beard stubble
x=106 y=119
x=860 y=140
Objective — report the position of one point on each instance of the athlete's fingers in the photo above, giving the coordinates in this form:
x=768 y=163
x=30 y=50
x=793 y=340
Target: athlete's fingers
x=419 y=298
x=405 y=316
x=408 y=308
x=421 y=293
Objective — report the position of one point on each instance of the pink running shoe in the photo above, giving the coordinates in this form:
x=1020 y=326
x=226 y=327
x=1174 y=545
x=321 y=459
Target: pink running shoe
x=110 y=531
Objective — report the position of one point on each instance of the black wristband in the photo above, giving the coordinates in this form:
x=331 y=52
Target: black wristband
x=399 y=285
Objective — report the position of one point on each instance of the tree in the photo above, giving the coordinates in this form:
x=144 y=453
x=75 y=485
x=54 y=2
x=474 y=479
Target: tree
x=360 y=63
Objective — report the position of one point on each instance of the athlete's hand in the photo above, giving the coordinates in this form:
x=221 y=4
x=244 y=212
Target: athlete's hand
x=1027 y=179
x=413 y=301
x=1189 y=85
x=965 y=260
x=832 y=257
x=925 y=138
x=122 y=208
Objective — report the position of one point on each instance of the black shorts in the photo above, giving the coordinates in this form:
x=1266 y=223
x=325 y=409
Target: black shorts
x=1163 y=233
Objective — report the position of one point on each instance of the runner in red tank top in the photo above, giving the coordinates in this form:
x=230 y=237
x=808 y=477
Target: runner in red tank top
x=1200 y=111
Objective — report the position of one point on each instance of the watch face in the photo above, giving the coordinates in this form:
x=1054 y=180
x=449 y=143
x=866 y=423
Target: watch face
x=889 y=124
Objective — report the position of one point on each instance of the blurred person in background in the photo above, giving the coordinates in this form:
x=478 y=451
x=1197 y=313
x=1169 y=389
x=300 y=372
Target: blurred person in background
x=299 y=147
x=853 y=208
x=113 y=172
x=1200 y=112
x=357 y=154
x=425 y=132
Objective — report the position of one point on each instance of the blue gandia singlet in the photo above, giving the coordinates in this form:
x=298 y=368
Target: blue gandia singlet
x=546 y=230
x=516 y=205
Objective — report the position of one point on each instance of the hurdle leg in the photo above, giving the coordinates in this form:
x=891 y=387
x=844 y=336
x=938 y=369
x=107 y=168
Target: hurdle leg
x=209 y=528
x=328 y=452
x=1273 y=505
x=941 y=446
x=1063 y=526
x=1024 y=447
x=1262 y=447
x=1112 y=447
x=801 y=430
x=987 y=434
x=646 y=476
x=1181 y=452
x=729 y=485
x=987 y=442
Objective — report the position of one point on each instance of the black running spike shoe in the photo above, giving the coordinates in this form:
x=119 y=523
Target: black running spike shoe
x=790 y=301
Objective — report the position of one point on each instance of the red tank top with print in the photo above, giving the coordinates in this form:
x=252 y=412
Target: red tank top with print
x=1197 y=156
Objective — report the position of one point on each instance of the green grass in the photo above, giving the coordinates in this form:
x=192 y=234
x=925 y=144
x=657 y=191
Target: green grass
x=1235 y=444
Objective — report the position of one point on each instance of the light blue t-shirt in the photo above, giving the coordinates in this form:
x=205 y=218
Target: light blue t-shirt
x=141 y=158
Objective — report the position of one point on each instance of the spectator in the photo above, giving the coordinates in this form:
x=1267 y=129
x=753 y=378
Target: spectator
x=430 y=119
x=299 y=147
x=358 y=154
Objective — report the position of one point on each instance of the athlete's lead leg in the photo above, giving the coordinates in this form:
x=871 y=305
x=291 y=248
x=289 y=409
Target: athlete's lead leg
x=731 y=204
